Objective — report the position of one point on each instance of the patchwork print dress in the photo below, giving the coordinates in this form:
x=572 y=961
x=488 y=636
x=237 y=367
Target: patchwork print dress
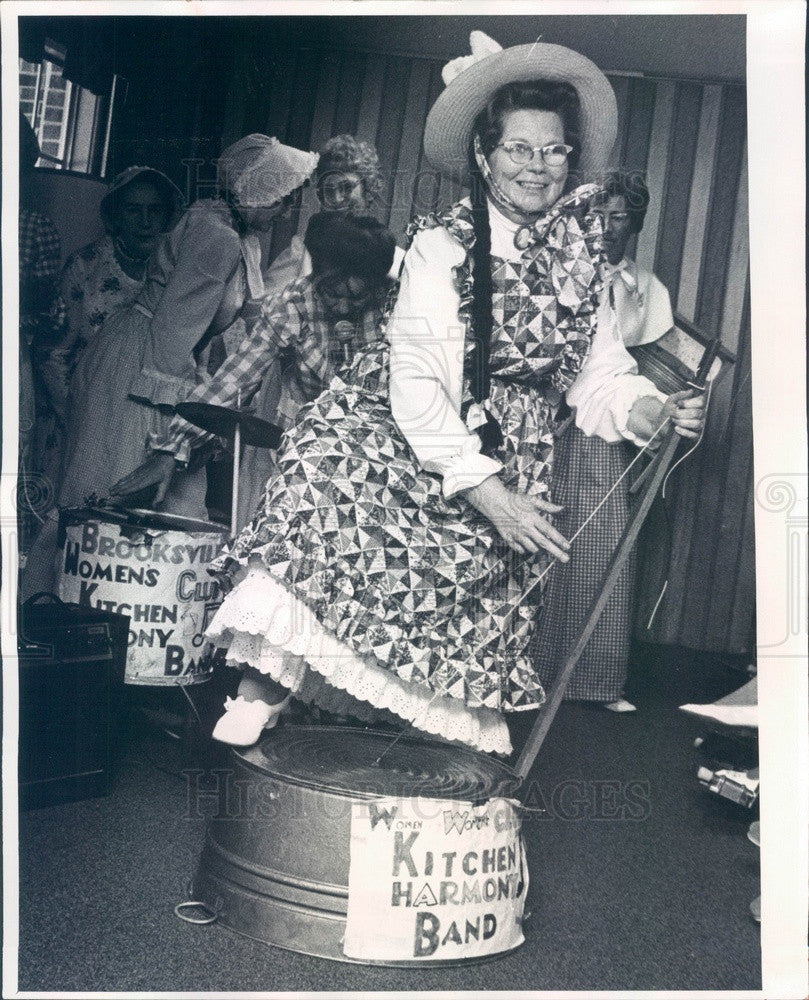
x=358 y=583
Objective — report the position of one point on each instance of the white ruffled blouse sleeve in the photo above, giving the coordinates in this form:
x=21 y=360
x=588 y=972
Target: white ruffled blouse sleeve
x=608 y=385
x=426 y=339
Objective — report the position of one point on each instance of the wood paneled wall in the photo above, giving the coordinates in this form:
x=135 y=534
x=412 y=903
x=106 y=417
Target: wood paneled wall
x=689 y=139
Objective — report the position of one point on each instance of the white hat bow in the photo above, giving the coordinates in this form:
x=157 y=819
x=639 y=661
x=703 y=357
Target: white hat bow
x=481 y=45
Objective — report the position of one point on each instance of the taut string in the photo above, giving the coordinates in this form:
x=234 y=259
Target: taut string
x=441 y=689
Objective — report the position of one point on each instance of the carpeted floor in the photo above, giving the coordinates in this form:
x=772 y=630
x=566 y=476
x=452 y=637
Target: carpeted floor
x=657 y=903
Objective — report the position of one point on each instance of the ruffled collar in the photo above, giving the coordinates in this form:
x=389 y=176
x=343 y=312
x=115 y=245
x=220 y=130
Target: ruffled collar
x=570 y=252
x=458 y=220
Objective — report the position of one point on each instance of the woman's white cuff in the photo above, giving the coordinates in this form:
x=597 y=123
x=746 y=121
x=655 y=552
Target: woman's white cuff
x=467 y=469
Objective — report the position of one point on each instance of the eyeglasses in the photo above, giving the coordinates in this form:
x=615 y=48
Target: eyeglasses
x=553 y=155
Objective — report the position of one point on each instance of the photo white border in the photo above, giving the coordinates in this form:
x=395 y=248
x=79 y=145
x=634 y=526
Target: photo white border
x=776 y=134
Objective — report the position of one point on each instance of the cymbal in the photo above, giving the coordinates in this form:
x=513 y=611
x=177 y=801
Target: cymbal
x=222 y=421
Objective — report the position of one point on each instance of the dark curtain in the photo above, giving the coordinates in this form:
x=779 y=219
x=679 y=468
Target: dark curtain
x=90 y=45
x=173 y=75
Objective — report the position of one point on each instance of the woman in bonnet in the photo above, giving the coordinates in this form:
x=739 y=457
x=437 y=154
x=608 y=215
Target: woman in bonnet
x=100 y=279
x=147 y=357
x=395 y=561
x=140 y=205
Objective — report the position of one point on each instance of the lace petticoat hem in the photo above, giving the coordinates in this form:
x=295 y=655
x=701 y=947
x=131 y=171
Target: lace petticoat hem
x=263 y=625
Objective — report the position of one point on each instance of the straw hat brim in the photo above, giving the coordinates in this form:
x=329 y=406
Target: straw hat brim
x=168 y=188
x=450 y=122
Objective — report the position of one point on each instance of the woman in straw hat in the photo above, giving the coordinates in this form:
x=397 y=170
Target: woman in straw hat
x=145 y=360
x=395 y=561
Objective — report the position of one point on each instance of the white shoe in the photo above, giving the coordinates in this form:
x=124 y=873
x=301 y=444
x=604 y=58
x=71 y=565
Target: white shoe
x=621 y=705
x=244 y=721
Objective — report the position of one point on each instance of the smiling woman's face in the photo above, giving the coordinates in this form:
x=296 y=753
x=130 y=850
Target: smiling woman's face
x=343 y=192
x=534 y=186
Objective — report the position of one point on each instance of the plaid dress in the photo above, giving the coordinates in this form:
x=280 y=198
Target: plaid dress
x=377 y=573
x=42 y=315
x=40 y=247
x=294 y=328
x=287 y=358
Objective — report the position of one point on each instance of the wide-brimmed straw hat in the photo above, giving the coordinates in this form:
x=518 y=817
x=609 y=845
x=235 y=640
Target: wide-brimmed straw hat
x=260 y=170
x=474 y=79
x=167 y=188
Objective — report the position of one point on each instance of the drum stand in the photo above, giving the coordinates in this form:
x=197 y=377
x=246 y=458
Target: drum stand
x=238 y=424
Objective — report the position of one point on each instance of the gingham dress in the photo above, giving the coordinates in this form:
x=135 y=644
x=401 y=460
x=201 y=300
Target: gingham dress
x=585 y=468
x=397 y=593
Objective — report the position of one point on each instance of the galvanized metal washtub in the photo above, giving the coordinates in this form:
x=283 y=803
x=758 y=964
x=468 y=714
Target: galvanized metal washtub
x=275 y=864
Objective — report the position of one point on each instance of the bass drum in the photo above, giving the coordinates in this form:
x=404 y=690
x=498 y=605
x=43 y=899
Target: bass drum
x=150 y=567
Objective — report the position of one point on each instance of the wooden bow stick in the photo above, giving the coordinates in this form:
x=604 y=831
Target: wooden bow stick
x=656 y=474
